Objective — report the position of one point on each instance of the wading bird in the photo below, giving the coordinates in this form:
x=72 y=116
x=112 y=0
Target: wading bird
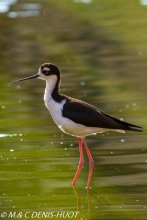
x=76 y=117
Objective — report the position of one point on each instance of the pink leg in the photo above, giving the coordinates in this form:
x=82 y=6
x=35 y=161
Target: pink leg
x=81 y=162
x=91 y=162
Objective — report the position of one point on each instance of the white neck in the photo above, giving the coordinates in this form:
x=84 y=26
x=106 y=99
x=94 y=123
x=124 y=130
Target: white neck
x=50 y=85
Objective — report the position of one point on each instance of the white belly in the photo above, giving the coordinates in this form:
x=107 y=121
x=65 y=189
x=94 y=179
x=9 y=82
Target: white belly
x=67 y=125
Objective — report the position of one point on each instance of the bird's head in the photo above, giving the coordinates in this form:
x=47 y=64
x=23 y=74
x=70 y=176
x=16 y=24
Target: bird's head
x=46 y=72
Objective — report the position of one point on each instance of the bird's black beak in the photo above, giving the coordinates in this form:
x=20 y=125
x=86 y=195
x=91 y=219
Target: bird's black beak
x=30 y=77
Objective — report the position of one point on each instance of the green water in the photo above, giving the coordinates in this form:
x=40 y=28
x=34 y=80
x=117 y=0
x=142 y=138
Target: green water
x=101 y=50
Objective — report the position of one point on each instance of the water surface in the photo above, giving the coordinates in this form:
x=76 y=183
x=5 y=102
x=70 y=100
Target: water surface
x=103 y=61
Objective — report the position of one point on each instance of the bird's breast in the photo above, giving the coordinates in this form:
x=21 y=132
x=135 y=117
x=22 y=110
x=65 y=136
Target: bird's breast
x=55 y=110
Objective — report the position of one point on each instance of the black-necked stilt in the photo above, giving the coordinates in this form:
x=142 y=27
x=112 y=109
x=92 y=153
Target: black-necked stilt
x=75 y=117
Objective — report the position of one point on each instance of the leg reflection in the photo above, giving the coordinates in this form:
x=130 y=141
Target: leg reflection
x=79 y=203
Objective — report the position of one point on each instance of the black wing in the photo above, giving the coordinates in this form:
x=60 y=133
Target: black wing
x=88 y=115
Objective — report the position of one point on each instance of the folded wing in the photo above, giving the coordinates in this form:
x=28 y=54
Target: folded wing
x=83 y=113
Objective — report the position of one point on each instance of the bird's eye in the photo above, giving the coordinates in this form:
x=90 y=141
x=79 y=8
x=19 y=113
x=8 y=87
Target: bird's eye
x=45 y=72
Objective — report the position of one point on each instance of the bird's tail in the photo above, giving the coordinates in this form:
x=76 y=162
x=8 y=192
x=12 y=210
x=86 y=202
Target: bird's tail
x=135 y=128
x=122 y=125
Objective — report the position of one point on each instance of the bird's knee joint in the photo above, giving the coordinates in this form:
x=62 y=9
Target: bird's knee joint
x=81 y=163
x=91 y=163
